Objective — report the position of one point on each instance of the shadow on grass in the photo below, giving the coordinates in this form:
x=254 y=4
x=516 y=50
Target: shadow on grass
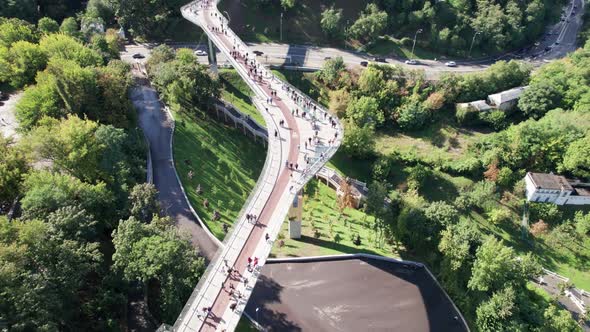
x=336 y=246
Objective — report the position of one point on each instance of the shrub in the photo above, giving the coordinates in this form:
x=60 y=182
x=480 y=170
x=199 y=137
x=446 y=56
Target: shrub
x=496 y=119
x=467 y=116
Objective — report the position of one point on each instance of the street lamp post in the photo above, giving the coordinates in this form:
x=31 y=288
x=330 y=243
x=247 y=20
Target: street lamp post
x=415 y=36
x=281 y=26
x=257 y=321
x=228 y=18
x=472 y=41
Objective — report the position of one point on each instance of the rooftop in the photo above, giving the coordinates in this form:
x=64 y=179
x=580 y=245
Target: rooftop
x=550 y=181
x=506 y=96
x=355 y=294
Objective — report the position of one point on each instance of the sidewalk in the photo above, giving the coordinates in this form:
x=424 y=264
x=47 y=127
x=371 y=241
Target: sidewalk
x=209 y=306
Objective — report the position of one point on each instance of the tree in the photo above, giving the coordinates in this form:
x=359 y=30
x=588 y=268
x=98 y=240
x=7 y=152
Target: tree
x=539 y=228
x=46 y=192
x=358 y=141
x=339 y=100
x=69 y=27
x=538 y=99
x=156 y=255
x=13 y=30
x=161 y=54
x=577 y=158
x=331 y=70
x=144 y=202
x=25 y=60
x=559 y=320
x=61 y=46
x=369 y=26
x=114 y=82
x=73 y=222
x=365 y=111
x=458 y=244
x=22 y=9
x=331 y=22
x=497 y=265
x=496 y=314
x=582 y=222
x=412 y=115
x=288 y=4
x=417 y=175
x=442 y=213
x=371 y=81
x=38 y=101
x=47 y=25
x=13 y=167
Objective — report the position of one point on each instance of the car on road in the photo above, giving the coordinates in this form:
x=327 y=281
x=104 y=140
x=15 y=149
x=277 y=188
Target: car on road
x=450 y=64
x=364 y=63
x=411 y=62
x=328 y=58
x=138 y=56
x=258 y=53
x=380 y=59
x=200 y=53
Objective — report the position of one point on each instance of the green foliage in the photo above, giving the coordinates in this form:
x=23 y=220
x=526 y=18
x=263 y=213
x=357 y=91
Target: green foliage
x=144 y=202
x=60 y=46
x=47 y=25
x=412 y=115
x=25 y=60
x=331 y=70
x=156 y=254
x=13 y=30
x=46 y=192
x=365 y=111
x=332 y=22
x=13 y=167
x=496 y=314
x=69 y=27
x=146 y=19
x=497 y=266
x=577 y=158
x=288 y=4
x=538 y=99
x=558 y=320
x=183 y=82
x=442 y=213
x=358 y=141
x=369 y=25
x=418 y=175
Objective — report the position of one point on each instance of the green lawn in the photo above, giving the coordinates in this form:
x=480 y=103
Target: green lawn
x=225 y=163
x=238 y=93
x=244 y=325
x=334 y=232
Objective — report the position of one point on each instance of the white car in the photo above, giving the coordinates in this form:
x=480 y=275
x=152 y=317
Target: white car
x=450 y=64
x=200 y=53
x=411 y=62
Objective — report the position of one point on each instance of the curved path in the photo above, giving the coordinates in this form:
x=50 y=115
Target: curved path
x=302 y=134
x=158 y=128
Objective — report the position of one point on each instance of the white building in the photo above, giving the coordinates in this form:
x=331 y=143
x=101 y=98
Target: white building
x=506 y=100
x=478 y=105
x=551 y=188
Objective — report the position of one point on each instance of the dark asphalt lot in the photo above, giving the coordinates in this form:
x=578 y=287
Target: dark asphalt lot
x=350 y=295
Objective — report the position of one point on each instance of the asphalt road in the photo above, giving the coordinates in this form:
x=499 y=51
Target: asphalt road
x=557 y=41
x=158 y=128
x=350 y=295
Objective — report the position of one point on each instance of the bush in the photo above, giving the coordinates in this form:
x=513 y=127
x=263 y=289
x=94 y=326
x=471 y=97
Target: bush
x=381 y=169
x=470 y=166
x=496 y=119
x=412 y=115
x=467 y=115
x=499 y=215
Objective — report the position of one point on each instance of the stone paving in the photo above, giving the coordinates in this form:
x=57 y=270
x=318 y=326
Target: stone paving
x=301 y=134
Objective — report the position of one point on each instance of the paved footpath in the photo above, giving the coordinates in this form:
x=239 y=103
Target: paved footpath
x=301 y=133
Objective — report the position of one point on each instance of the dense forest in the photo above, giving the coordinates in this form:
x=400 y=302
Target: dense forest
x=80 y=231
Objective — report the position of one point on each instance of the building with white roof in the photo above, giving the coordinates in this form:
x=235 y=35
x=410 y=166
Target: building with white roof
x=557 y=189
x=506 y=100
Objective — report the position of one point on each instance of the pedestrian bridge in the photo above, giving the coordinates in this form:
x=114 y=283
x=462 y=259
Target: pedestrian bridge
x=300 y=133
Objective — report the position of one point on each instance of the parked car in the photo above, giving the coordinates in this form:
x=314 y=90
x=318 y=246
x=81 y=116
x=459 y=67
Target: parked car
x=450 y=64
x=138 y=56
x=411 y=62
x=380 y=59
x=364 y=63
x=200 y=53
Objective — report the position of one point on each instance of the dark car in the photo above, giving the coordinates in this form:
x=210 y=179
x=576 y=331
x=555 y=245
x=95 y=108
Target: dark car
x=138 y=56
x=380 y=60
x=258 y=53
x=364 y=63
x=328 y=58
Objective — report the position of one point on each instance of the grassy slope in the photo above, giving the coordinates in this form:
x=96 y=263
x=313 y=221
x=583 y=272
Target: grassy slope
x=321 y=209
x=225 y=163
x=237 y=92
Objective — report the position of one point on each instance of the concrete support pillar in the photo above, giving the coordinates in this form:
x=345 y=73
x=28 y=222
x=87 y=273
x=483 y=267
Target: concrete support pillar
x=212 y=56
x=295 y=217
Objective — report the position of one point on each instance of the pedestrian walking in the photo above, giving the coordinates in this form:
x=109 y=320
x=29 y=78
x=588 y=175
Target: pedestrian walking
x=267 y=237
